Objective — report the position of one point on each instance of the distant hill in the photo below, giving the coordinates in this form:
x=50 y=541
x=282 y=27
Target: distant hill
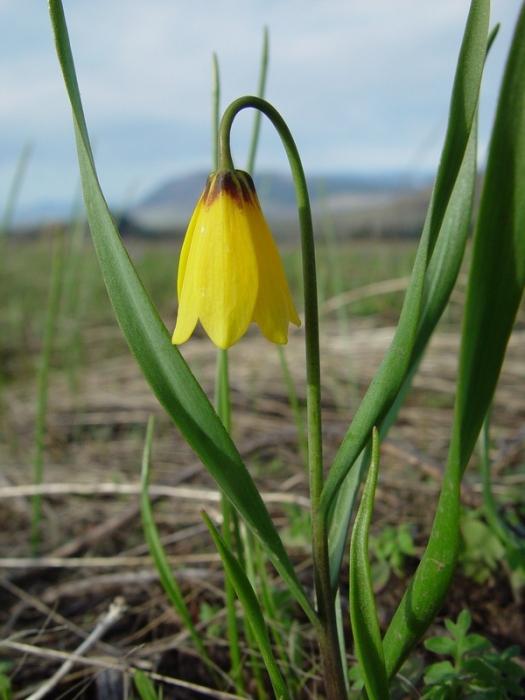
x=352 y=204
x=356 y=205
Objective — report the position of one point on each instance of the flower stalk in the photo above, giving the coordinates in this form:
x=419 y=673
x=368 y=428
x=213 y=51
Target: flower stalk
x=328 y=639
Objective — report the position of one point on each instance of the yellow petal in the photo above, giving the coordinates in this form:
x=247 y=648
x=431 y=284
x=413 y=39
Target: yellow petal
x=183 y=259
x=274 y=308
x=228 y=272
x=219 y=285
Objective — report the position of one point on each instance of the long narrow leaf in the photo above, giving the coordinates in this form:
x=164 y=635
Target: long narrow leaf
x=363 y=614
x=495 y=290
x=162 y=364
x=439 y=278
x=393 y=370
x=251 y=608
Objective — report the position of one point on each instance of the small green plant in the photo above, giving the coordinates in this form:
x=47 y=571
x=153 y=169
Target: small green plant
x=389 y=550
x=482 y=552
x=507 y=531
x=476 y=670
x=210 y=617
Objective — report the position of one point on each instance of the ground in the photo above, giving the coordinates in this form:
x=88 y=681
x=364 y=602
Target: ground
x=91 y=547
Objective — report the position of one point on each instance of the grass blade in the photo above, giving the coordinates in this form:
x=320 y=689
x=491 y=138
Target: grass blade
x=144 y=686
x=363 y=614
x=50 y=327
x=162 y=364
x=389 y=378
x=261 y=89
x=252 y=610
x=12 y=195
x=495 y=288
x=168 y=581
x=215 y=109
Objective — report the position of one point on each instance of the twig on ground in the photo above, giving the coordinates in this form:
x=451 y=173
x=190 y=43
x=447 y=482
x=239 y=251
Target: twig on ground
x=105 y=623
x=111 y=489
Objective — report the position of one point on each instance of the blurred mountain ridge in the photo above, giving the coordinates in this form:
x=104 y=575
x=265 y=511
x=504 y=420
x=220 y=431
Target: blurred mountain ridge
x=352 y=204
x=388 y=204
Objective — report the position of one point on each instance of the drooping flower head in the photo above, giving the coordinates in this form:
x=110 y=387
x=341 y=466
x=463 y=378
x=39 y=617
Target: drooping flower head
x=230 y=271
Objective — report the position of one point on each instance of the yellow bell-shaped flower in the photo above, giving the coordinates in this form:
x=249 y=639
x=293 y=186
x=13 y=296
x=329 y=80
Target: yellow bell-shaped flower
x=230 y=271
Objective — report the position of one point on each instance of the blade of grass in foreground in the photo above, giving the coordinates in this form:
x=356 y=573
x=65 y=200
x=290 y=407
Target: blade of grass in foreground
x=162 y=364
x=363 y=614
x=393 y=370
x=252 y=610
x=168 y=581
x=495 y=289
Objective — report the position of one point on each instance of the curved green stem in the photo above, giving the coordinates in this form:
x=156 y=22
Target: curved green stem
x=328 y=639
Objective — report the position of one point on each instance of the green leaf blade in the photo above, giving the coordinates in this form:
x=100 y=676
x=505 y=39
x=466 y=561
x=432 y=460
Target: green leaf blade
x=497 y=275
x=443 y=263
x=363 y=614
x=396 y=365
x=252 y=610
x=495 y=289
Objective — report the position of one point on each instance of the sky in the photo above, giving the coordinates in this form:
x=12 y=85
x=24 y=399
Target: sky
x=364 y=86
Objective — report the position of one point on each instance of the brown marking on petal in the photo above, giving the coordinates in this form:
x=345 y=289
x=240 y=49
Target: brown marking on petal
x=224 y=182
x=248 y=188
x=207 y=188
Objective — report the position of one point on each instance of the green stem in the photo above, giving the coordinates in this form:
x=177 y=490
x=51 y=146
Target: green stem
x=328 y=638
x=223 y=408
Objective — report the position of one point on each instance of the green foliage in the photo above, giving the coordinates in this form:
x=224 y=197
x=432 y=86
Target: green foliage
x=252 y=610
x=363 y=615
x=494 y=292
x=210 y=616
x=5 y=683
x=484 y=552
x=476 y=671
x=145 y=687
x=505 y=531
x=52 y=314
x=298 y=532
x=389 y=550
x=438 y=259
x=481 y=553
x=158 y=554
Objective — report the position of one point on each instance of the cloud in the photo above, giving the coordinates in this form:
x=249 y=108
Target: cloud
x=364 y=85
